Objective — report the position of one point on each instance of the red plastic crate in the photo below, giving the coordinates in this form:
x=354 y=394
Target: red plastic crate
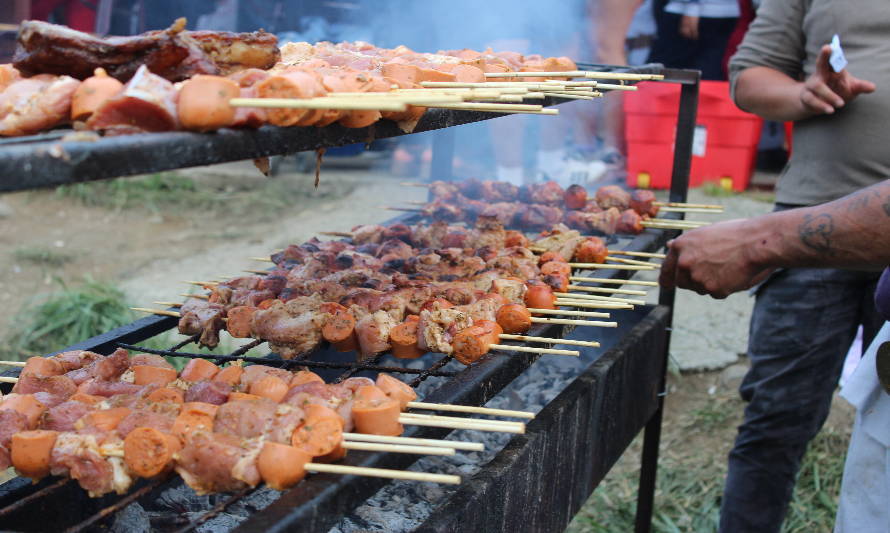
x=726 y=140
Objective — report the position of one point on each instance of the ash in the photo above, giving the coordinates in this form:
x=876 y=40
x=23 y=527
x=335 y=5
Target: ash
x=403 y=506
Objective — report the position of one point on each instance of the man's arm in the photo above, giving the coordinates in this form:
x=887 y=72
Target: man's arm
x=853 y=231
x=774 y=95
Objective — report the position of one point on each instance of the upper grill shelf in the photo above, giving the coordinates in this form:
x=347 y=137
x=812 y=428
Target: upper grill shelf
x=47 y=160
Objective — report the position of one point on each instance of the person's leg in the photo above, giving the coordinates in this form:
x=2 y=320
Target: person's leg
x=803 y=323
x=670 y=48
x=713 y=37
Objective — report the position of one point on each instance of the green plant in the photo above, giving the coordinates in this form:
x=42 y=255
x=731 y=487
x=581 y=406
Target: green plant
x=710 y=188
x=67 y=316
x=43 y=256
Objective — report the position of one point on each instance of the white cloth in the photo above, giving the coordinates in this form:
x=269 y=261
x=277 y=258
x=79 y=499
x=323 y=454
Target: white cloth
x=704 y=8
x=864 y=503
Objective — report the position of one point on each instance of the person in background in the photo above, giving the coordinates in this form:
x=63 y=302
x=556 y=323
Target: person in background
x=693 y=34
x=805 y=319
x=77 y=14
x=853 y=232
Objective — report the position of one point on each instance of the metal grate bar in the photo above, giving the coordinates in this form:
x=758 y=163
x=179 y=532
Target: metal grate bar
x=116 y=506
x=285 y=363
x=33 y=496
x=218 y=508
x=179 y=346
x=433 y=370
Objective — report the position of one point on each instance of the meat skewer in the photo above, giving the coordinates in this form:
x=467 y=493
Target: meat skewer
x=120 y=434
x=575 y=197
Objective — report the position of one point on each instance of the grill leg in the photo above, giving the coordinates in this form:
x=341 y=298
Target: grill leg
x=679 y=187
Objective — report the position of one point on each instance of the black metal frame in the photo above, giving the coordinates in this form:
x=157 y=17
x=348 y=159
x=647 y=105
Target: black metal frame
x=315 y=503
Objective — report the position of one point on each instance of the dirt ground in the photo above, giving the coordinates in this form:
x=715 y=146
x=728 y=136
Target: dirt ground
x=148 y=252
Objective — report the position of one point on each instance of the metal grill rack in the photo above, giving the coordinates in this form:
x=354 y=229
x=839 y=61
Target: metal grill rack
x=592 y=421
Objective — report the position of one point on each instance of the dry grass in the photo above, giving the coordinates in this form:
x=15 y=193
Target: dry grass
x=698 y=433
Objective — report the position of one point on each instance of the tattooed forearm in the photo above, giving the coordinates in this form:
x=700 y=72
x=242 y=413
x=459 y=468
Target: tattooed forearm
x=815 y=232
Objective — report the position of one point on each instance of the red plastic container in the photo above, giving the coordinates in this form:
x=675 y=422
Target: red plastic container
x=725 y=144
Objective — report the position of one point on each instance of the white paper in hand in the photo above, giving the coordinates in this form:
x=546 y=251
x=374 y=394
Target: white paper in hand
x=837 y=59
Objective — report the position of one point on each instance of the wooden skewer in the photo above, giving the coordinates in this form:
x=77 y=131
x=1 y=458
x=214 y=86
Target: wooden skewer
x=588 y=304
x=615 y=281
x=534 y=349
x=455 y=444
x=459 y=423
x=613 y=87
x=396 y=448
x=257 y=272
x=336 y=233
x=637 y=254
x=469 y=409
x=405 y=209
x=198 y=296
x=319 y=103
x=577 y=74
x=684 y=204
x=570 y=342
x=568 y=321
x=498 y=108
x=12 y=363
x=689 y=210
x=202 y=283
x=414 y=184
x=633 y=262
x=606 y=290
x=659 y=225
x=597 y=297
x=4 y=379
x=505 y=423
x=382 y=472
x=265 y=259
x=609 y=266
x=569 y=313
x=570 y=96
x=678 y=221
x=163 y=312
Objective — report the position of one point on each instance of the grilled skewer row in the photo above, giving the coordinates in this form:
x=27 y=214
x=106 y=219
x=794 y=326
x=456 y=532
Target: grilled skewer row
x=298 y=326
x=403 y=279
x=220 y=428
x=548 y=193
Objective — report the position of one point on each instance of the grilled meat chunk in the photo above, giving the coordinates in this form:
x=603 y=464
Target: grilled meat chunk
x=31 y=105
x=145 y=104
x=612 y=196
x=174 y=53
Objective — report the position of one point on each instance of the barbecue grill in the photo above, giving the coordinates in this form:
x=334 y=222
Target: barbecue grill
x=537 y=481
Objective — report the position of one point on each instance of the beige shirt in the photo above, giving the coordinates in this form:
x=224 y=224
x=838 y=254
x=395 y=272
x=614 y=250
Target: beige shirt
x=834 y=155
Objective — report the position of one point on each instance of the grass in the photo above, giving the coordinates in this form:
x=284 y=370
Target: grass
x=691 y=474
x=43 y=256
x=171 y=192
x=67 y=316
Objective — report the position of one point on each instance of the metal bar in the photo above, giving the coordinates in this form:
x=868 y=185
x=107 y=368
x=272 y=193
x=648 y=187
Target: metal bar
x=431 y=370
x=679 y=188
x=218 y=508
x=540 y=479
x=284 y=362
x=116 y=506
x=21 y=502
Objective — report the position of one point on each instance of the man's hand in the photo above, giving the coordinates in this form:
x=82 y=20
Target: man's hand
x=825 y=90
x=689 y=27
x=712 y=260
